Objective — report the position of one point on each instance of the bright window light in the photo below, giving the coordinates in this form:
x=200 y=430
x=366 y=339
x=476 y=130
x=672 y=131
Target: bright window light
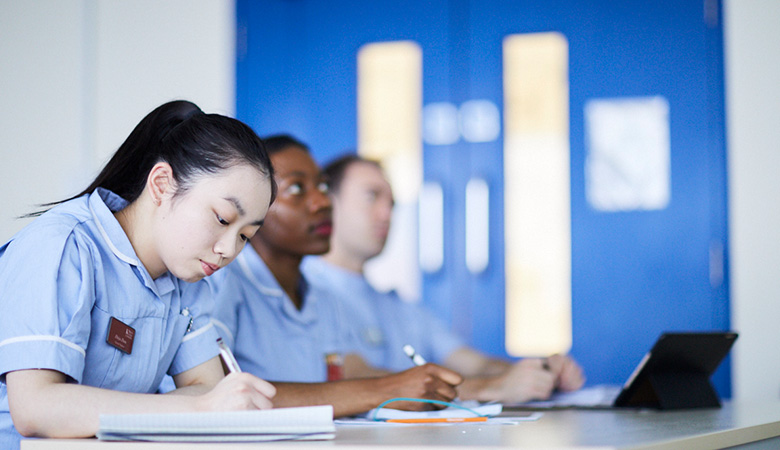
x=537 y=209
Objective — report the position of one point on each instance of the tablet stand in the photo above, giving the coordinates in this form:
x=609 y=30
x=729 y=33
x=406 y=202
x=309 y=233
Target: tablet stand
x=681 y=390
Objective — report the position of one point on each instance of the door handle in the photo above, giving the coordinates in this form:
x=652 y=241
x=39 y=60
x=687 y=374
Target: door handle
x=477 y=225
x=431 y=231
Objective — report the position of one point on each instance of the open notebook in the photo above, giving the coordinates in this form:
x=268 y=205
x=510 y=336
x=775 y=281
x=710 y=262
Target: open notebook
x=305 y=423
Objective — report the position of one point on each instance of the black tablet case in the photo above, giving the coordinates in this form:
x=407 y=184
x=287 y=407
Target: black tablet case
x=675 y=374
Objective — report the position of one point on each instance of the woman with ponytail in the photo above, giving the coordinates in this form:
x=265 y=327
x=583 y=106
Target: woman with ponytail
x=102 y=294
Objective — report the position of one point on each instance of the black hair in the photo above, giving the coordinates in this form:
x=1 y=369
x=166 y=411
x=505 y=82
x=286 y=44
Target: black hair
x=188 y=139
x=336 y=169
x=278 y=142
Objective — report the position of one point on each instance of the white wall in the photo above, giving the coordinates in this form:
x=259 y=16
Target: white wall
x=752 y=40
x=42 y=105
x=77 y=75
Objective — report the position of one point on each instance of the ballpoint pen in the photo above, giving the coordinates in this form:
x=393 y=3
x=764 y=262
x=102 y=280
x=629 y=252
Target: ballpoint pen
x=227 y=356
x=417 y=359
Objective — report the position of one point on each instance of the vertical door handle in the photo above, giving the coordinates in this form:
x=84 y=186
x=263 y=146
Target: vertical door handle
x=477 y=225
x=717 y=263
x=431 y=236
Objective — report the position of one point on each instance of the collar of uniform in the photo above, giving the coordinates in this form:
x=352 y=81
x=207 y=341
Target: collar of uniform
x=257 y=272
x=325 y=273
x=102 y=204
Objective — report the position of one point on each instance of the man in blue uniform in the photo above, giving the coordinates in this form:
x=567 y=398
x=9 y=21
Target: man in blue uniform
x=380 y=324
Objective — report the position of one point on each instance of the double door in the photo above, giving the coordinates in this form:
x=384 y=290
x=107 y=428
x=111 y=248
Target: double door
x=635 y=272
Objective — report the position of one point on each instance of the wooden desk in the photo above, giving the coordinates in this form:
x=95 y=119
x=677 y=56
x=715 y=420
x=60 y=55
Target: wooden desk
x=734 y=424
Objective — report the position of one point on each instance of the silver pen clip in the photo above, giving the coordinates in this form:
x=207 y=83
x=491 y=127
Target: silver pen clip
x=186 y=313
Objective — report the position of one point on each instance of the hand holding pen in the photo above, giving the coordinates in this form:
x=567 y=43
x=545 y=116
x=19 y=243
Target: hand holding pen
x=238 y=390
x=424 y=381
x=569 y=375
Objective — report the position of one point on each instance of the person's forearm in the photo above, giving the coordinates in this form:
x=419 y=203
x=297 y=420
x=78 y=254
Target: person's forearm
x=356 y=367
x=480 y=388
x=348 y=397
x=471 y=363
x=198 y=389
x=526 y=380
x=493 y=367
x=72 y=410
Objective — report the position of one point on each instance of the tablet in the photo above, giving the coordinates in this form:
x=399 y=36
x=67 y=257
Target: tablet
x=675 y=373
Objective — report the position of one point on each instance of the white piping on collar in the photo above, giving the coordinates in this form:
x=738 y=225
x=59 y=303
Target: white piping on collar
x=265 y=290
x=111 y=245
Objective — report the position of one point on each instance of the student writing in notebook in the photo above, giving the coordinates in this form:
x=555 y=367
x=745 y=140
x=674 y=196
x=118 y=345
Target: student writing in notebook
x=102 y=294
x=278 y=326
x=380 y=323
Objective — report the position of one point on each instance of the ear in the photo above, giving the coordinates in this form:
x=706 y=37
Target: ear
x=160 y=182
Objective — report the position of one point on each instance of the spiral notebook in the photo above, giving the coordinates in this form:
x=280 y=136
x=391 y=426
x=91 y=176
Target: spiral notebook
x=303 y=423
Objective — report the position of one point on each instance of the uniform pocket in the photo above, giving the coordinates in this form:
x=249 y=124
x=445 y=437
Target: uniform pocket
x=110 y=368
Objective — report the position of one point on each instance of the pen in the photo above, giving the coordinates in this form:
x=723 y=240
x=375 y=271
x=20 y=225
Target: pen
x=227 y=356
x=417 y=359
x=439 y=420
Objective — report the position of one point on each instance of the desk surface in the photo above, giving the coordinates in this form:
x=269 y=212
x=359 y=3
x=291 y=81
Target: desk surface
x=734 y=424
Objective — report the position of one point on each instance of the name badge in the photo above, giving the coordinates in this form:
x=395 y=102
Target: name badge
x=120 y=335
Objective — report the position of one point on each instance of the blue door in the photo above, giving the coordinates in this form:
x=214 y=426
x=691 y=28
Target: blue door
x=635 y=273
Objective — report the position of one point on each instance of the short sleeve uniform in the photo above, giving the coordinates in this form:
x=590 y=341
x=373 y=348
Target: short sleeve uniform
x=379 y=324
x=269 y=336
x=64 y=277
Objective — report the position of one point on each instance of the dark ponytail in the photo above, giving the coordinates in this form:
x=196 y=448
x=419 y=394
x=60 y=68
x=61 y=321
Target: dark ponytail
x=192 y=142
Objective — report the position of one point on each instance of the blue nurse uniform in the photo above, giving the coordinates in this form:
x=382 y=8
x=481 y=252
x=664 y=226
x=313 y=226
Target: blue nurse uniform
x=270 y=337
x=64 y=277
x=379 y=324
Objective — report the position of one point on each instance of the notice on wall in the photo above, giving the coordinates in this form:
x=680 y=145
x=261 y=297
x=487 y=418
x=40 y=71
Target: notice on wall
x=627 y=166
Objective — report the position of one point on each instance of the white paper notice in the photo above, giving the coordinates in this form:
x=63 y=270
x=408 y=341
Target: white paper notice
x=628 y=154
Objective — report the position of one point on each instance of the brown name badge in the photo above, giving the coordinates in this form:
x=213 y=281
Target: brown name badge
x=120 y=335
